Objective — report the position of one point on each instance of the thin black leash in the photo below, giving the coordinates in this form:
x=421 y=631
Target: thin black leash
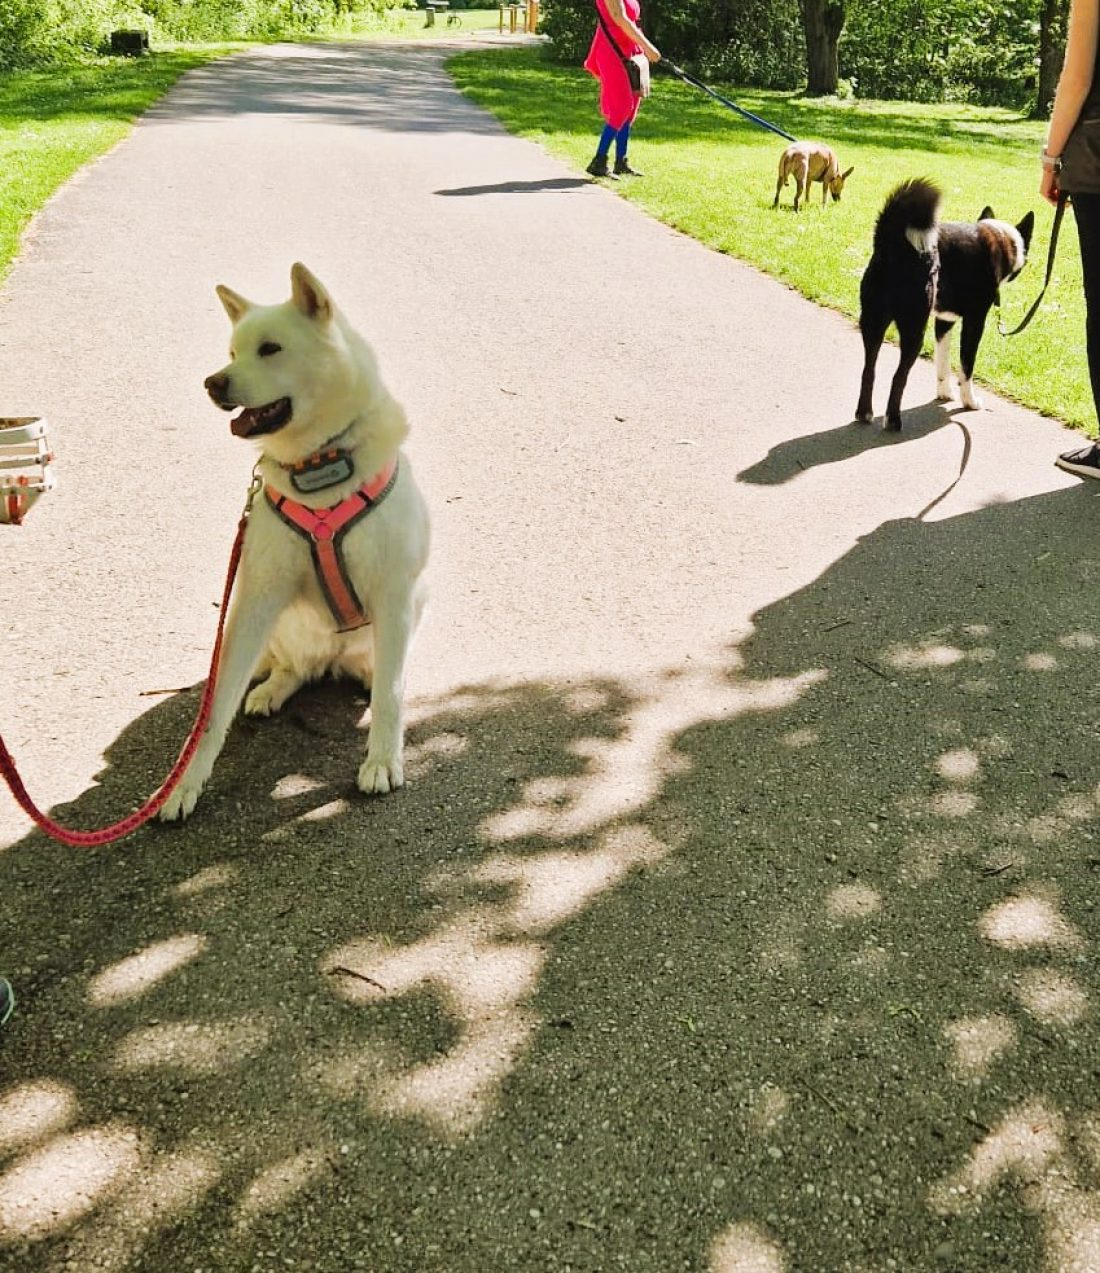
x=1059 y=212
x=690 y=79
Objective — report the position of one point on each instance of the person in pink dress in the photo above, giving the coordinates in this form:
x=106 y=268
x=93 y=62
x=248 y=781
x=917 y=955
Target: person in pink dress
x=617 y=21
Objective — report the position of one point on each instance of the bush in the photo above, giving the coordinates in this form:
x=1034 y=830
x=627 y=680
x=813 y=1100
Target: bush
x=40 y=31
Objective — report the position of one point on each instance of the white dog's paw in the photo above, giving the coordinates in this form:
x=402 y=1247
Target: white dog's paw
x=970 y=400
x=180 y=803
x=943 y=391
x=264 y=699
x=377 y=776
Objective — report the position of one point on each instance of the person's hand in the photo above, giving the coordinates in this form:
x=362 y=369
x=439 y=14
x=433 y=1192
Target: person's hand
x=652 y=52
x=1048 y=185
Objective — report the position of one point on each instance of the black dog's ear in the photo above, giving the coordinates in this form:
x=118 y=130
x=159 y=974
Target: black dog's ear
x=986 y=214
x=1026 y=227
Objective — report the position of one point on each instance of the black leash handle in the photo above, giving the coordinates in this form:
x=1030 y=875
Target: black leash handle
x=690 y=79
x=1059 y=212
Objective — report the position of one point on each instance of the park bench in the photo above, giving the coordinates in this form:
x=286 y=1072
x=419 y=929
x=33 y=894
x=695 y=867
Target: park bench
x=431 y=8
x=514 y=14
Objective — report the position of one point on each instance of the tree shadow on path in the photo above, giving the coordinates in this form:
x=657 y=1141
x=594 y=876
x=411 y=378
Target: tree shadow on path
x=780 y=959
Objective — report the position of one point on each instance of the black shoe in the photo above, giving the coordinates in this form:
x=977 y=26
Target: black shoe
x=7 y=1000
x=1085 y=461
x=598 y=168
x=623 y=168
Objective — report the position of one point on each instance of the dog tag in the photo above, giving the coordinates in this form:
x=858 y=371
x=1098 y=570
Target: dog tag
x=319 y=472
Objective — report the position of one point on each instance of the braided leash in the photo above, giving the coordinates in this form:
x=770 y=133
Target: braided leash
x=1059 y=212
x=116 y=831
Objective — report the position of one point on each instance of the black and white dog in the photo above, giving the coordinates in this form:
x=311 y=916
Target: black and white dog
x=922 y=266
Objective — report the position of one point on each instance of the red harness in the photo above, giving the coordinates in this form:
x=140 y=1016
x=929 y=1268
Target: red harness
x=325 y=529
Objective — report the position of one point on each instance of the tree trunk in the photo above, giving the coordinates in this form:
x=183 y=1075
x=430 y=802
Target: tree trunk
x=823 y=21
x=1052 y=48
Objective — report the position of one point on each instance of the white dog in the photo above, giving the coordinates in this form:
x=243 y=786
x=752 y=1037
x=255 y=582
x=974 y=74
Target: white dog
x=331 y=571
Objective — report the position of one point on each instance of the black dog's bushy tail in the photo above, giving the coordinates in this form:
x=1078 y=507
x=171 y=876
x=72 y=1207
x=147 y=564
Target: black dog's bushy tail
x=914 y=205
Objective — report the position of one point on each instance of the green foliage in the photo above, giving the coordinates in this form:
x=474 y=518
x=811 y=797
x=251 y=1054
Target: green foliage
x=922 y=50
x=37 y=32
x=942 y=50
x=750 y=41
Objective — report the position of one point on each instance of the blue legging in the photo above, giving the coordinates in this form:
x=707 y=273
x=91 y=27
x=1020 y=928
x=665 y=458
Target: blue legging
x=620 y=136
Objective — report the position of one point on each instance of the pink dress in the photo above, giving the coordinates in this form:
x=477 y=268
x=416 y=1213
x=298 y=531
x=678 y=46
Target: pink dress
x=618 y=105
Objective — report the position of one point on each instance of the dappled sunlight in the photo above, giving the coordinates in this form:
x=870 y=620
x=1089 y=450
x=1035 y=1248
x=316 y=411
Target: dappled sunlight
x=853 y=901
x=1023 y=1145
x=153 y=1199
x=770 y=1106
x=484 y=972
x=917 y=658
x=1031 y=1148
x=961 y=765
x=953 y=804
x=482 y=979
x=1052 y=997
x=285 y=832
x=626 y=772
x=799 y=738
x=977 y=1043
x=278 y=1184
x=1027 y=921
x=193 y=1048
x=58 y=1183
x=421 y=757
x=291 y=785
x=454 y=1094
x=1040 y=662
x=33 y=1111
x=139 y=973
x=211 y=877
x=554 y=886
x=928 y=853
x=1078 y=641
x=745 y=1248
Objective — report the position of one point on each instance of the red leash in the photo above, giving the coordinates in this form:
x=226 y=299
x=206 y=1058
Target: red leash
x=107 y=835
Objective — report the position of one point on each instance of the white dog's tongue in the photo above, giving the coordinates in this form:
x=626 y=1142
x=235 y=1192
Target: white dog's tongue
x=245 y=421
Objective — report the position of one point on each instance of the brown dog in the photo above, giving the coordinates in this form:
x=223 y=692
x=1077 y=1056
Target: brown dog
x=808 y=161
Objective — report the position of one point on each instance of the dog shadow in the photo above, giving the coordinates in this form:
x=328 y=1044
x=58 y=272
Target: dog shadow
x=788 y=459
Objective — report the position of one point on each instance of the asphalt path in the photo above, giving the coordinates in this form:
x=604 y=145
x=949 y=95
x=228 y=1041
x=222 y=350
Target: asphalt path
x=739 y=913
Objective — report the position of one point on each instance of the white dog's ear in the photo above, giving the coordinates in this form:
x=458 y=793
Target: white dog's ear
x=235 y=305
x=309 y=294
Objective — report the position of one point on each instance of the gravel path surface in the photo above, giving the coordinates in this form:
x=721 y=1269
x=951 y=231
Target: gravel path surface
x=739 y=913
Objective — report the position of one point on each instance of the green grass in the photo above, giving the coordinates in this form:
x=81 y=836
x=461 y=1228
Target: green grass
x=712 y=175
x=53 y=122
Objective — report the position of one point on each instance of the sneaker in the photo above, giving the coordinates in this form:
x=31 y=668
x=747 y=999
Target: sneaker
x=1085 y=461
x=623 y=168
x=598 y=168
x=7 y=1000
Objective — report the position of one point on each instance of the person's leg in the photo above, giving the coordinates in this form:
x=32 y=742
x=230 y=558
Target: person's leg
x=598 y=167
x=622 y=165
x=1085 y=460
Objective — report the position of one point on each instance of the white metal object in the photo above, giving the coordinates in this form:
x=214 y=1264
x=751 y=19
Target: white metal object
x=24 y=465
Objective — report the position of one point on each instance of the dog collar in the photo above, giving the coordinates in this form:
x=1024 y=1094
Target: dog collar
x=328 y=466
x=325 y=529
